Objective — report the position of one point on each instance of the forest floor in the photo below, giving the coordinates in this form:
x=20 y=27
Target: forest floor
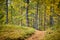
x=38 y=35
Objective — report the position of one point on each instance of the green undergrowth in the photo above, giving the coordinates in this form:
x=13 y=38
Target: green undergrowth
x=53 y=33
x=14 y=32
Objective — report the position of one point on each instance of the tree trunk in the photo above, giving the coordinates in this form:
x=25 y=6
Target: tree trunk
x=44 y=16
x=36 y=17
x=6 y=11
x=21 y=10
x=11 y=14
x=27 y=18
x=51 y=16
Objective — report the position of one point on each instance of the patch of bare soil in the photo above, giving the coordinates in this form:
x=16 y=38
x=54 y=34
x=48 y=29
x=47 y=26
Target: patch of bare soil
x=38 y=35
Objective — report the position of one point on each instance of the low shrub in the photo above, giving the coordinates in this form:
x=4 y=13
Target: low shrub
x=53 y=34
x=13 y=32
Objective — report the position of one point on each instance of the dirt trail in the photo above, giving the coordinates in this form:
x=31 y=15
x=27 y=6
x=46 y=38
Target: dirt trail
x=39 y=35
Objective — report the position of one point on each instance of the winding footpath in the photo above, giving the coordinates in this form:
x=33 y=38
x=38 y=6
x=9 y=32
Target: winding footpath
x=38 y=35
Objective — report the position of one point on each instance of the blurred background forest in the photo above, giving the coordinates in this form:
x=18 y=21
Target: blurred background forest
x=28 y=14
x=31 y=13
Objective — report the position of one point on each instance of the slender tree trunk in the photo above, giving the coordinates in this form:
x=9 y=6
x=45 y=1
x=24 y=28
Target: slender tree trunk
x=40 y=17
x=45 y=16
x=51 y=16
x=36 y=17
x=51 y=20
x=6 y=11
x=34 y=22
x=52 y=13
x=21 y=10
x=11 y=14
x=27 y=8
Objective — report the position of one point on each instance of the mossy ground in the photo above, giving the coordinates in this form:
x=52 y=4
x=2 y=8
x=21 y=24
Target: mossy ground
x=14 y=32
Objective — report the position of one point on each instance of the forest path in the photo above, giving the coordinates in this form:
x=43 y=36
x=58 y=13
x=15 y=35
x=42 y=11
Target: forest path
x=38 y=35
